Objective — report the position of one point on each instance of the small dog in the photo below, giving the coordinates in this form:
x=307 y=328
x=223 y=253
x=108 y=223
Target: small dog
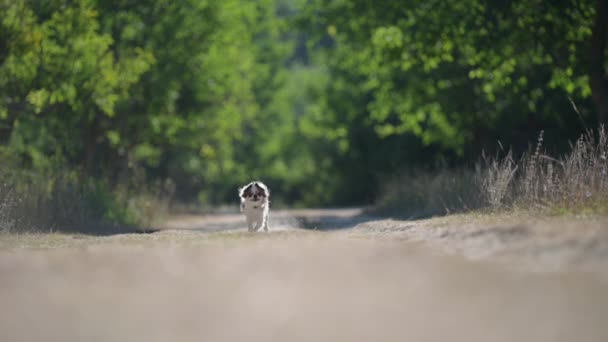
x=254 y=203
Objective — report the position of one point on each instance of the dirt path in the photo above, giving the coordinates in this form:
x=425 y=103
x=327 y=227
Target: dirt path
x=520 y=240
x=280 y=220
x=353 y=278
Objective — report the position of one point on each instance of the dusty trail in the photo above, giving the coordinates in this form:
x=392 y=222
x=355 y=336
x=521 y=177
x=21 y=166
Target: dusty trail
x=519 y=240
x=362 y=279
x=280 y=220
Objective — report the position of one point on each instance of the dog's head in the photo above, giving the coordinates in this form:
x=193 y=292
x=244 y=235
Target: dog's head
x=254 y=191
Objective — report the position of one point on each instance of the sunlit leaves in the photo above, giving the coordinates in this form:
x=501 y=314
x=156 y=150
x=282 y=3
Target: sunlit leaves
x=387 y=37
x=428 y=60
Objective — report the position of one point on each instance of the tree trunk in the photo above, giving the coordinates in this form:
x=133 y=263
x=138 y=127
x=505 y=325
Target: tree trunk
x=597 y=78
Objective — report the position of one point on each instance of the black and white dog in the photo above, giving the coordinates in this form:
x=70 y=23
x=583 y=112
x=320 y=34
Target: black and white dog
x=254 y=203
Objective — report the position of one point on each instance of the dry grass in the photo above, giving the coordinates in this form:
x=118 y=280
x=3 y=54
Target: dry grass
x=64 y=201
x=573 y=182
x=43 y=202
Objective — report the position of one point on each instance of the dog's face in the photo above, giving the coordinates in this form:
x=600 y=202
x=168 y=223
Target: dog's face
x=254 y=191
x=254 y=203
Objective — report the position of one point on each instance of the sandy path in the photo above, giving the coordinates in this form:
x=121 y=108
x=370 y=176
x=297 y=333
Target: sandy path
x=345 y=285
x=521 y=241
x=279 y=220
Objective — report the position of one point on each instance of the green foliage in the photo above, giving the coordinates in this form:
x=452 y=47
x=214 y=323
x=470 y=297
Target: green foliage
x=194 y=91
x=321 y=99
x=433 y=82
x=440 y=70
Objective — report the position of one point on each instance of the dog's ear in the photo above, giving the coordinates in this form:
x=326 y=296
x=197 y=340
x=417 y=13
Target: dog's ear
x=246 y=191
x=263 y=187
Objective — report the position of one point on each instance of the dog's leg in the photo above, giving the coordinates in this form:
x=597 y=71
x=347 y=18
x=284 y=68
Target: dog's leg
x=258 y=225
x=249 y=226
x=266 y=224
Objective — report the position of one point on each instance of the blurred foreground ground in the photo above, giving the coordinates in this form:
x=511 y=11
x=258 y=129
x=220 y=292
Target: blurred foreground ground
x=347 y=276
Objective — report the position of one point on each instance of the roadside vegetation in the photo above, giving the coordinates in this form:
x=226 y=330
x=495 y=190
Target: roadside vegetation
x=114 y=112
x=60 y=200
x=574 y=182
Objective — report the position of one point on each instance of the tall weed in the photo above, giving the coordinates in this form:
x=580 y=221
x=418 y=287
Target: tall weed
x=576 y=180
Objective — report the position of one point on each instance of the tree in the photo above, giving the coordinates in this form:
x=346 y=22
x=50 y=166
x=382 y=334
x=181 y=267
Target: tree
x=58 y=78
x=450 y=78
x=597 y=70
